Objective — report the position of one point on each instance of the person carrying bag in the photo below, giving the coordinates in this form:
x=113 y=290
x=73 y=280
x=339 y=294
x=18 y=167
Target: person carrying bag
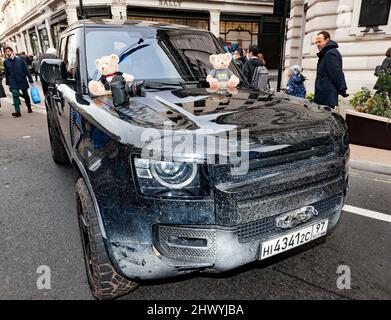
x=35 y=95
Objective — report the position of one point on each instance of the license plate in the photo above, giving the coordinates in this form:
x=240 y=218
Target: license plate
x=293 y=239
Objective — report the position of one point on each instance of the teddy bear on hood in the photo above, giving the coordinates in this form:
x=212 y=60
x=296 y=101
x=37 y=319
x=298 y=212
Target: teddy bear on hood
x=107 y=66
x=221 y=77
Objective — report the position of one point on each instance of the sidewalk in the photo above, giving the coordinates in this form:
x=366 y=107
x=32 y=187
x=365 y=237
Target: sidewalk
x=370 y=159
x=36 y=83
x=38 y=107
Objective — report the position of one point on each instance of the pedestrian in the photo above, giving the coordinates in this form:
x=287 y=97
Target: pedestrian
x=17 y=73
x=245 y=53
x=222 y=42
x=295 y=86
x=24 y=57
x=261 y=58
x=255 y=71
x=51 y=53
x=30 y=60
x=2 y=91
x=252 y=62
x=330 y=79
x=240 y=60
x=384 y=67
x=36 y=68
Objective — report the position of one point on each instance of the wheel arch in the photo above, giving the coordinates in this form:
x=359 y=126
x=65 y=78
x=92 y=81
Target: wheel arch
x=80 y=172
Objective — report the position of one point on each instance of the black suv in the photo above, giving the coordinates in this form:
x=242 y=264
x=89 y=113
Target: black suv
x=175 y=178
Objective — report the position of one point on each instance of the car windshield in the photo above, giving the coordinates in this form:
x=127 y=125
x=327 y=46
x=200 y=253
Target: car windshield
x=150 y=54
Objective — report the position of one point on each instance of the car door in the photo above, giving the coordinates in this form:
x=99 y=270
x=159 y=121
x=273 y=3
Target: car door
x=66 y=92
x=54 y=102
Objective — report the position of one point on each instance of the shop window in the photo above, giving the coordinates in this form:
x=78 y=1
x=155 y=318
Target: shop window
x=71 y=57
x=194 y=19
x=103 y=12
x=194 y=23
x=61 y=50
x=43 y=35
x=56 y=30
x=239 y=34
x=34 y=43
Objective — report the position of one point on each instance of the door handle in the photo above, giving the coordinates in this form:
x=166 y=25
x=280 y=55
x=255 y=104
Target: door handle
x=56 y=98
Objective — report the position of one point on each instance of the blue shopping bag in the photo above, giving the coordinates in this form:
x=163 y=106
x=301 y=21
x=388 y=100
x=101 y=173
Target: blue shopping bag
x=35 y=96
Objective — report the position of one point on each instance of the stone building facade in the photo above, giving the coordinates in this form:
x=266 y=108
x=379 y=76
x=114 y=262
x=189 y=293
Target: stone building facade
x=34 y=25
x=361 y=51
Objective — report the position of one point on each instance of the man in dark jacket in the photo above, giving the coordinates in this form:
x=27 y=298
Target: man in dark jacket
x=251 y=63
x=330 y=80
x=16 y=77
x=24 y=57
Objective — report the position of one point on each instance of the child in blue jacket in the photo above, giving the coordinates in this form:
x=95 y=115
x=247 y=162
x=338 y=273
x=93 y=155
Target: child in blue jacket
x=295 y=86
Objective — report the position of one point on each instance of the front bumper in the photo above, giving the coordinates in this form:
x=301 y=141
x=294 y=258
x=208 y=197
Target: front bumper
x=177 y=249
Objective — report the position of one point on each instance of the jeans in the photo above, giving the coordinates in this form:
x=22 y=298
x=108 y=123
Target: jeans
x=16 y=95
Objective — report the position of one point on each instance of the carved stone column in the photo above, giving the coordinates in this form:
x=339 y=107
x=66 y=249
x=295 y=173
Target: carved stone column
x=71 y=14
x=119 y=9
x=215 y=22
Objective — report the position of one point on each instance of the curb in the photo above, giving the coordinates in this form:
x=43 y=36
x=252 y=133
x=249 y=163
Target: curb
x=370 y=166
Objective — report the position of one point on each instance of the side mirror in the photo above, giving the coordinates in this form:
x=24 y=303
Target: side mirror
x=53 y=70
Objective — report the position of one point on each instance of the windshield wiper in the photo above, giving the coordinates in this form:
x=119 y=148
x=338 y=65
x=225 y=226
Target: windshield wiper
x=129 y=50
x=201 y=83
x=161 y=85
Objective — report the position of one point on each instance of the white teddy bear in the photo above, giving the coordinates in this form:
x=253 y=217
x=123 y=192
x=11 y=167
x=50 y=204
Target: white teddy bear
x=221 y=77
x=107 y=66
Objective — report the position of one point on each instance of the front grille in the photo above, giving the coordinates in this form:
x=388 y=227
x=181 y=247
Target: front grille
x=165 y=244
x=199 y=243
x=279 y=179
x=279 y=170
x=251 y=231
x=260 y=228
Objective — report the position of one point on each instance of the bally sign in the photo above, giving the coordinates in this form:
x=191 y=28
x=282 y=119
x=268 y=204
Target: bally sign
x=170 y=3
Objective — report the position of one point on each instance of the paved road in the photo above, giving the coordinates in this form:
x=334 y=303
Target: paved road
x=38 y=226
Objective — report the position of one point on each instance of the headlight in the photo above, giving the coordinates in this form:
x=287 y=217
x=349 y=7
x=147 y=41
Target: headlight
x=171 y=179
x=173 y=175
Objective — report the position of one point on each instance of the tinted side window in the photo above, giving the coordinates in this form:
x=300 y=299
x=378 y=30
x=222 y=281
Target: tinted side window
x=62 y=49
x=70 y=58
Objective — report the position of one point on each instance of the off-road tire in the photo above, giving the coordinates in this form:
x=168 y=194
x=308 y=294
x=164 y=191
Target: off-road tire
x=104 y=281
x=59 y=153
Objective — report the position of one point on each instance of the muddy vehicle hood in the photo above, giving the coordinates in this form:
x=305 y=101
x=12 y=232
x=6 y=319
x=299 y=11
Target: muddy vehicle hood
x=271 y=119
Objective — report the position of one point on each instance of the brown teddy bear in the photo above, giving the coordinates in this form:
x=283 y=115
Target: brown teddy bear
x=221 y=77
x=107 y=66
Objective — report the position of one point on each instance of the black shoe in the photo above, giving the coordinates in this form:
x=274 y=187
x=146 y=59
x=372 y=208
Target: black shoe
x=30 y=110
x=16 y=114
